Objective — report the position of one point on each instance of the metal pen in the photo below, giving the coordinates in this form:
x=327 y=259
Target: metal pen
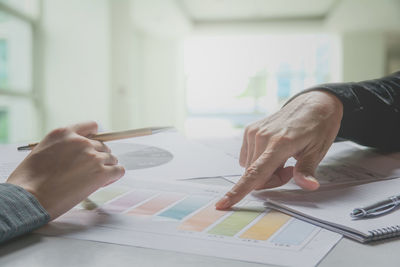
x=376 y=209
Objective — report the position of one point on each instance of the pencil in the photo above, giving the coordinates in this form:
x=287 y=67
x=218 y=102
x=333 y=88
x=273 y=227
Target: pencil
x=110 y=136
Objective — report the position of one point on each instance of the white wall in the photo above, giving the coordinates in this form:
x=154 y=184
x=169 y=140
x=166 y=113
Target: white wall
x=365 y=15
x=76 y=72
x=363 y=56
x=365 y=27
x=163 y=82
x=125 y=67
x=147 y=63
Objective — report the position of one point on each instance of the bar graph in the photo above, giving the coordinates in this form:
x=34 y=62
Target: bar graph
x=181 y=216
x=196 y=214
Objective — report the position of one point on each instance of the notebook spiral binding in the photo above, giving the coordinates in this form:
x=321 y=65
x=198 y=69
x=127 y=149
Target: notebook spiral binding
x=383 y=233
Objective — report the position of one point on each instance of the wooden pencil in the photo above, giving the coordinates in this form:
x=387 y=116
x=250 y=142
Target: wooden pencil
x=110 y=136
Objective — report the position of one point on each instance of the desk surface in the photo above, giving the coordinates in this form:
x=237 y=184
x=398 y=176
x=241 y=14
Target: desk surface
x=36 y=250
x=45 y=251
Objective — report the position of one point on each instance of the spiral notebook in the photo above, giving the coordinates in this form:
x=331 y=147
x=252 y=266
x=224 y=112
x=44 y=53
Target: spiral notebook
x=331 y=209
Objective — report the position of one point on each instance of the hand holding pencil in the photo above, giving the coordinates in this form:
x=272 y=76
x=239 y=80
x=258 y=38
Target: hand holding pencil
x=67 y=166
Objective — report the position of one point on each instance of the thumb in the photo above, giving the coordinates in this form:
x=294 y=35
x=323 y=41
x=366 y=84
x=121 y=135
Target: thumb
x=304 y=171
x=85 y=128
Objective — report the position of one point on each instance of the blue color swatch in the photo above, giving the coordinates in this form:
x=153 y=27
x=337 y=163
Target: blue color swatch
x=294 y=234
x=185 y=207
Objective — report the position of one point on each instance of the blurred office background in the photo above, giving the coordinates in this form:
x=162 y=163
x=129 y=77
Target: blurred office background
x=207 y=67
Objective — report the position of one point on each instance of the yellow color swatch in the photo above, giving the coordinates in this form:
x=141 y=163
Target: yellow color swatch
x=266 y=226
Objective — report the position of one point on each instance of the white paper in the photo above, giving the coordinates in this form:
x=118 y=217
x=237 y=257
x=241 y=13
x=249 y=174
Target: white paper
x=348 y=163
x=293 y=243
x=169 y=156
x=231 y=145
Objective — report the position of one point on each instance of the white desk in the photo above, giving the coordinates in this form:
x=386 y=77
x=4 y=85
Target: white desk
x=36 y=250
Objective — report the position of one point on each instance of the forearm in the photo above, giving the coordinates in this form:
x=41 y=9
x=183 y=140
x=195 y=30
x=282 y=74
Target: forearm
x=371 y=111
x=20 y=212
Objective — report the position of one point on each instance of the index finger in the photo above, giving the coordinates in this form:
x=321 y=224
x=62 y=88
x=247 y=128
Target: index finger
x=85 y=128
x=243 y=150
x=258 y=173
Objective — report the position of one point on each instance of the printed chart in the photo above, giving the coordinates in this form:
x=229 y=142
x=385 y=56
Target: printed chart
x=136 y=156
x=169 y=156
x=182 y=218
x=197 y=214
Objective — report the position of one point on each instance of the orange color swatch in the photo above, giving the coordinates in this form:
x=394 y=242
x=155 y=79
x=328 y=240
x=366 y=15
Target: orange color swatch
x=202 y=219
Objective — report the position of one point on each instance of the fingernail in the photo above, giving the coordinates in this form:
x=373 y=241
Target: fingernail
x=223 y=203
x=315 y=184
x=311 y=179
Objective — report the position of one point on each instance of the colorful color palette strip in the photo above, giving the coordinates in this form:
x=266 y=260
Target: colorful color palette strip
x=266 y=226
x=185 y=207
x=234 y=223
x=127 y=201
x=202 y=219
x=156 y=204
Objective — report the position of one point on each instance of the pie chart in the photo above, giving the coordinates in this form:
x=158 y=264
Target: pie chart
x=137 y=156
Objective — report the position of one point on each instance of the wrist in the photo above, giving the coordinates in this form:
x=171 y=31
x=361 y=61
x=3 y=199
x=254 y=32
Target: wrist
x=319 y=100
x=327 y=99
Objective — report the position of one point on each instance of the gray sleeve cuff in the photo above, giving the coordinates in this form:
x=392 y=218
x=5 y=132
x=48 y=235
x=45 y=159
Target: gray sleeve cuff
x=20 y=212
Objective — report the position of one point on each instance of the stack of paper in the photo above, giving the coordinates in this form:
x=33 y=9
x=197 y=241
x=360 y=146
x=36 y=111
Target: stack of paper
x=331 y=209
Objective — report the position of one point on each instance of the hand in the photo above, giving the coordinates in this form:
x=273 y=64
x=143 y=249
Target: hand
x=66 y=167
x=304 y=129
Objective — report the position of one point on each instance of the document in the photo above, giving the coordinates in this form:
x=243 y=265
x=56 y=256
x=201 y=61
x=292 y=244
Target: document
x=181 y=216
x=348 y=163
x=169 y=156
x=331 y=209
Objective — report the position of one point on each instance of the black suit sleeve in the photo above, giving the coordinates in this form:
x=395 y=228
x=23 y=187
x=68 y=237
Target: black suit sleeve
x=371 y=114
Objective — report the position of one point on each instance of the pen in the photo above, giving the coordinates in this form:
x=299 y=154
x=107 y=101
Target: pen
x=376 y=209
x=110 y=136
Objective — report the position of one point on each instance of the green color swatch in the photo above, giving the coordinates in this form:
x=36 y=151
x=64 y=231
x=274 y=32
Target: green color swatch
x=234 y=223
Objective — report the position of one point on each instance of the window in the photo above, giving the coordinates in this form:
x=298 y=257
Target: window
x=3 y=65
x=234 y=80
x=19 y=107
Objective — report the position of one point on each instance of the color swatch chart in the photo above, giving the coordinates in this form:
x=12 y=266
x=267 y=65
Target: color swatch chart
x=180 y=217
x=195 y=215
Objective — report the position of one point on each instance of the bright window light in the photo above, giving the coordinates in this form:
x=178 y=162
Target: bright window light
x=234 y=80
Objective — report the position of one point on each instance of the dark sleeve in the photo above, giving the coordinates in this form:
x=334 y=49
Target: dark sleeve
x=371 y=114
x=20 y=212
